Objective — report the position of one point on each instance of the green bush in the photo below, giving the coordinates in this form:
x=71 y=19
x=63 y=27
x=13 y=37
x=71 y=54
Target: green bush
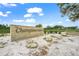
x=1 y=35
x=4 y=29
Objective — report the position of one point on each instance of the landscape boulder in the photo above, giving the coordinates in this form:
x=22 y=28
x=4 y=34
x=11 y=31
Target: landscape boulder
x=32 y=45
x=64 y=33
x=48 y=39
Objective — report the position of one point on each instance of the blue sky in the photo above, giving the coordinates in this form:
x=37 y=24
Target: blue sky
x=32 y=14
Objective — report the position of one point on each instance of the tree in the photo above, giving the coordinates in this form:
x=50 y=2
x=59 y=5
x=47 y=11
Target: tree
x=58 y=27
x=70 y=9
x=73 y=27
x=4 y=28
x=39 y=25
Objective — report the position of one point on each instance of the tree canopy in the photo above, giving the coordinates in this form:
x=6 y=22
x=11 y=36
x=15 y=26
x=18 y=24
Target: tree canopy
x=4 y=28
x=70 y=9
x=39 y=25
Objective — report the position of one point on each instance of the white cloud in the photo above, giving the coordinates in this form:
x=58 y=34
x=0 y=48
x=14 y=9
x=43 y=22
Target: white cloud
x=27 y=20
x=5 y=14
x=12 y=4
x=34 y=10
x=22 y=3
x=8 y=4
x=44 y=25
x=2 y=14
x=67 y=20
x=37 y=10
x=30 y=20
x=27 y=15
x=8 y=12
x=18 y=20
x=41 y=14
x=59 y=22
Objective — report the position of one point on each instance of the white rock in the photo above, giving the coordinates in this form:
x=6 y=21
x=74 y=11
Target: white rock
x=32 y=45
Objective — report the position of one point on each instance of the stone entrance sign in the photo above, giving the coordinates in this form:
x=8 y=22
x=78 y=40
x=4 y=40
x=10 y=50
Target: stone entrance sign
x=23 y=32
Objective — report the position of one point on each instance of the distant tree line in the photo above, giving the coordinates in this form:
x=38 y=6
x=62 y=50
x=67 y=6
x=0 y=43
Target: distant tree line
x=56 y=28
x=59 y=28
x=39 y=25
x=4 y=28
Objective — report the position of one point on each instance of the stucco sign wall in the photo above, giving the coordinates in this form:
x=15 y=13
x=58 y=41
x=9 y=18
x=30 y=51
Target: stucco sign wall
x=23 y=32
